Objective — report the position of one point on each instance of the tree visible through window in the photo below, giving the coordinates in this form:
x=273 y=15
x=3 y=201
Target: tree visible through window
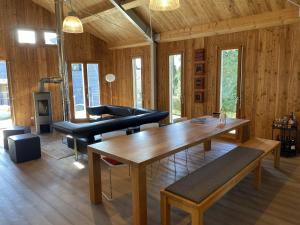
x=175 y=62
x=229 y=81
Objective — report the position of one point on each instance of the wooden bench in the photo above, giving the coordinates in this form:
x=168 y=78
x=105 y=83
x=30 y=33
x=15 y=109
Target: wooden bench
x=196 y=192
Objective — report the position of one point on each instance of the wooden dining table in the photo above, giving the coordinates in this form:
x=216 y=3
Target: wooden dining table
x=143 y=148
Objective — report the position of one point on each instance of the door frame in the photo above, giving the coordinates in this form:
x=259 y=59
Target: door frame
x=10 y=93
x=182 y=83
x=142 y=80
x=240 y=81
x=86 y=98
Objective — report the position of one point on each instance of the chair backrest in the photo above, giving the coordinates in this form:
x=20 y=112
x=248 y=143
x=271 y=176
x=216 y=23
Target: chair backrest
x=149 y=126
x=113 y=134
x=181 y=119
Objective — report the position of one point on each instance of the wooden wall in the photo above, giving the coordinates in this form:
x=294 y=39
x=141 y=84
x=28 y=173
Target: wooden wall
x=271 y=67
x=28 y=64
x=120 y=64
x=271 y=74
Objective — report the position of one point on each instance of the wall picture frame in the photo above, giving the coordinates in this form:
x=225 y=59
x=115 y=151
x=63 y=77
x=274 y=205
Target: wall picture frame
x=199 y=55
x=199 y=68
x=199 y=97
x=199 y=83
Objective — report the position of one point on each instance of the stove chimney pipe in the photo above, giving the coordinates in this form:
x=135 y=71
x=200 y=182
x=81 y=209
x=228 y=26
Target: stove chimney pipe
x=62 y=67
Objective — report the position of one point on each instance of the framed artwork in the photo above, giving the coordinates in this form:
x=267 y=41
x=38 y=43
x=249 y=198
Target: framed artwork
x=199 y=68
x=199 y=96
x=199 y=83
x=199 y=54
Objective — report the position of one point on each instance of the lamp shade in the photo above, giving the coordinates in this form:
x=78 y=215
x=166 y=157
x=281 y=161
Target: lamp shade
x=72 y=24
x=164 y=5
x=110 y=77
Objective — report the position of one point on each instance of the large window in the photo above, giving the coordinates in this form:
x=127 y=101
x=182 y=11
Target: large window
x=93 y=84
x=26 y=36
x=175 y=86
x=78 y=91
x=5 y=111
x=137 y=82
x=229 y=81
x=85 y=88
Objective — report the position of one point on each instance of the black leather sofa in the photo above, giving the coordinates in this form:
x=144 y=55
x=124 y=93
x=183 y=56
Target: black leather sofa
x=116 y=118
x=120 y=117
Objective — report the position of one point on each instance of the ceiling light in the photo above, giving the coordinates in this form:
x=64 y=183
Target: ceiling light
x=72 y=24
x=164 y=5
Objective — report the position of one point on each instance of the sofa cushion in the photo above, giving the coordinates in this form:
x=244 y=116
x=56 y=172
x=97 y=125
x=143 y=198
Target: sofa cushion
x=119 y=110
x=97 y=110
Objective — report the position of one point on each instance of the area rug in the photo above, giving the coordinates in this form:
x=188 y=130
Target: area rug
x=57 y=149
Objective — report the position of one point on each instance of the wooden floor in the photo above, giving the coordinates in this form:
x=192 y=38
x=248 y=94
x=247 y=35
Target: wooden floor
x=50 y=191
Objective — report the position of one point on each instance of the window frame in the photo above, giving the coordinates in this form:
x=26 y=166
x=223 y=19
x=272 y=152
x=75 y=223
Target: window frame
x=240 y=90
x=182 y=53
x=240 y=87
x=86 y=98
x=10 y=88
x=27 y=29
x=134 y=80
x=44 y=40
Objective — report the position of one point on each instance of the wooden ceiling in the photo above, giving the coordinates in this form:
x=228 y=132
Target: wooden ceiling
x=106 y=22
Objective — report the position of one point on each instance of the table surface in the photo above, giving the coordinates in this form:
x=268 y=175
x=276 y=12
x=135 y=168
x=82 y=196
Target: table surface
x=151 y=145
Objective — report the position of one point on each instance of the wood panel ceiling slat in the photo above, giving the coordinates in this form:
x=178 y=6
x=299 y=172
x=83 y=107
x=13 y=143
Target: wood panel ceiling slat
x=111 y=26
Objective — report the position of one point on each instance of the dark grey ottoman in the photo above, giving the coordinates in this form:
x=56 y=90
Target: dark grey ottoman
x=24 y=147
x=10 y=132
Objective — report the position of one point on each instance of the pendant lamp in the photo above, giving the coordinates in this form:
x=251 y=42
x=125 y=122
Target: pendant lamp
x=164 y=5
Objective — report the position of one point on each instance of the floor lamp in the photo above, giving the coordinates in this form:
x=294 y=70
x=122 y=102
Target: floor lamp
x=110 y=78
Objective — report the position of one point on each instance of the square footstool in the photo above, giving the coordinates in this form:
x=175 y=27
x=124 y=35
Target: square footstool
x=24 y=147
x=10 y=132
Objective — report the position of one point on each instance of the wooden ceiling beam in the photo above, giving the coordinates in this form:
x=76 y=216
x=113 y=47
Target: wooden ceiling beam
x=264 y=20
x=110 y=9
x=135 y=20
x=121 y=45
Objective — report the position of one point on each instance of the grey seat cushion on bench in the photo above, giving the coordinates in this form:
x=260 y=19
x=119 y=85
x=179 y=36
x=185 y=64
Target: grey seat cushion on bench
x=207 y=179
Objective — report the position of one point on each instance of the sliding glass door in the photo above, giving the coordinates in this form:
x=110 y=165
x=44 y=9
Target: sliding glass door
x=85 y=89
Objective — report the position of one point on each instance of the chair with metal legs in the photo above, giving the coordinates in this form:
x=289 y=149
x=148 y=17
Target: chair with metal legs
x=186 y=151
x=111 y=163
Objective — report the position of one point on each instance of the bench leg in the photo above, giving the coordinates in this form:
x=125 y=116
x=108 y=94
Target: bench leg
x=164 y=209
x=257 y=181
x=197 y=217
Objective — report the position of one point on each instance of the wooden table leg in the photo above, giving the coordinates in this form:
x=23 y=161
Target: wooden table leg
x=94 y=177
x=244 y=133
x=207 y=145
x=139 y=194
x=277 y=157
